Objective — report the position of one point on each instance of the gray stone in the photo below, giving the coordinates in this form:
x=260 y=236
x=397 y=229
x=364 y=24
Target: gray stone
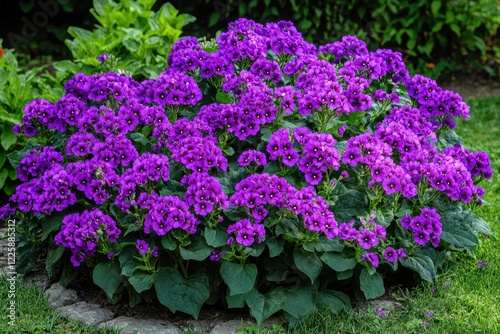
x=86 y=313
x=59 y=296
x=141 y=326
x=40 y=279
x=385 y=304
x=228 y=327
x=200 y=325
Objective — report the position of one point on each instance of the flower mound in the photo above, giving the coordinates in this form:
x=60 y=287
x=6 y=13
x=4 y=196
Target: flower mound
x=260 y=159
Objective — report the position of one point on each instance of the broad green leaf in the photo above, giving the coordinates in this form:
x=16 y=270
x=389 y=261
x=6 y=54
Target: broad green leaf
x=179 y=294
x=168 y=243
x=27 y=258
x=371 y=285
x=263 y=306
x=275 y=246
x=422 y=264
x=7 y=138
x=350 y=203
x=197 y=250
x=240 y=278
x=341 y=275
x=3 y=158
x=17 y=156
x=449 y=138
x=307 y=262
x=107 y=277
x=3 y=176
x=338 y=261
x=236 y=301
x=139 y=138
x=277 y=269
x=331 y=300
x=299 y=302
x=323 y=244
x=52 y=223
x=223 y=98
x=435 y=6
x=384 y=217
x=141 y=281
x=215 y=238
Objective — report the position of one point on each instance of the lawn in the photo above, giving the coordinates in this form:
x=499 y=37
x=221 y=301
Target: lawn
x=465 y=298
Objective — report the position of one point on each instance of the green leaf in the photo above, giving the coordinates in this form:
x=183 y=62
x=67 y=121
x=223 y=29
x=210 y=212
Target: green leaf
x=28 y=257
x=3 y=158
x=449 y=138
x=307 y=262
x=331 y=300
x=52 y=223
x=371 y=285
x=236 y=301
x=275 y=246
x=107 y=277
x=223 y=97
x=17 y=156
x=8 y=138
x=299 y=302
x=240 y=278
x=323 y=244
x=277 y=269
x=459 y=228
x=435 y=6
x=263 y=306
x=168 y=243
x=215 y=238
x=422 y=264
x=141 y=281
x=384 y=217
x=139 y=138
x=197 y=250
x=229 y=151
x=178 y=294
x=3 y=176
x=350 y=203
x=53 y=256
x=338 y=261
x=341 y=275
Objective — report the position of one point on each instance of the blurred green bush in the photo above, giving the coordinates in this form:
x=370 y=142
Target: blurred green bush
x=437 y=37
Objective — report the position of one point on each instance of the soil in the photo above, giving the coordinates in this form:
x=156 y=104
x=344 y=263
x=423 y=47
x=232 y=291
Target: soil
x=473 y=84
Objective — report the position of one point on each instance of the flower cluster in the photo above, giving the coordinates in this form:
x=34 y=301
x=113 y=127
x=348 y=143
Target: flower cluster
x=424 y=227
x=82 y=234
x=166 y=213
x=246 y=233
x=319 y=154
x=260 y=190
x=204 y=193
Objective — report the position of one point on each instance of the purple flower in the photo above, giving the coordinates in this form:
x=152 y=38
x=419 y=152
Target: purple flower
x=371 y=258
x=142 y=246
x=381 y=313
x=102 y=58
x=430 y=314
x=367 y=239
x=215 y=255
x=390 y=254
x=110 y=255
x=482 y=264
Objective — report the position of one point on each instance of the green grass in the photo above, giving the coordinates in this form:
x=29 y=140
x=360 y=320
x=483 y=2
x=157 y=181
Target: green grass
x=469 y=304
x=34 y=317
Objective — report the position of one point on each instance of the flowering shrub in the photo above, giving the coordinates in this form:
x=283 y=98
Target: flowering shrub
x=258 y=170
